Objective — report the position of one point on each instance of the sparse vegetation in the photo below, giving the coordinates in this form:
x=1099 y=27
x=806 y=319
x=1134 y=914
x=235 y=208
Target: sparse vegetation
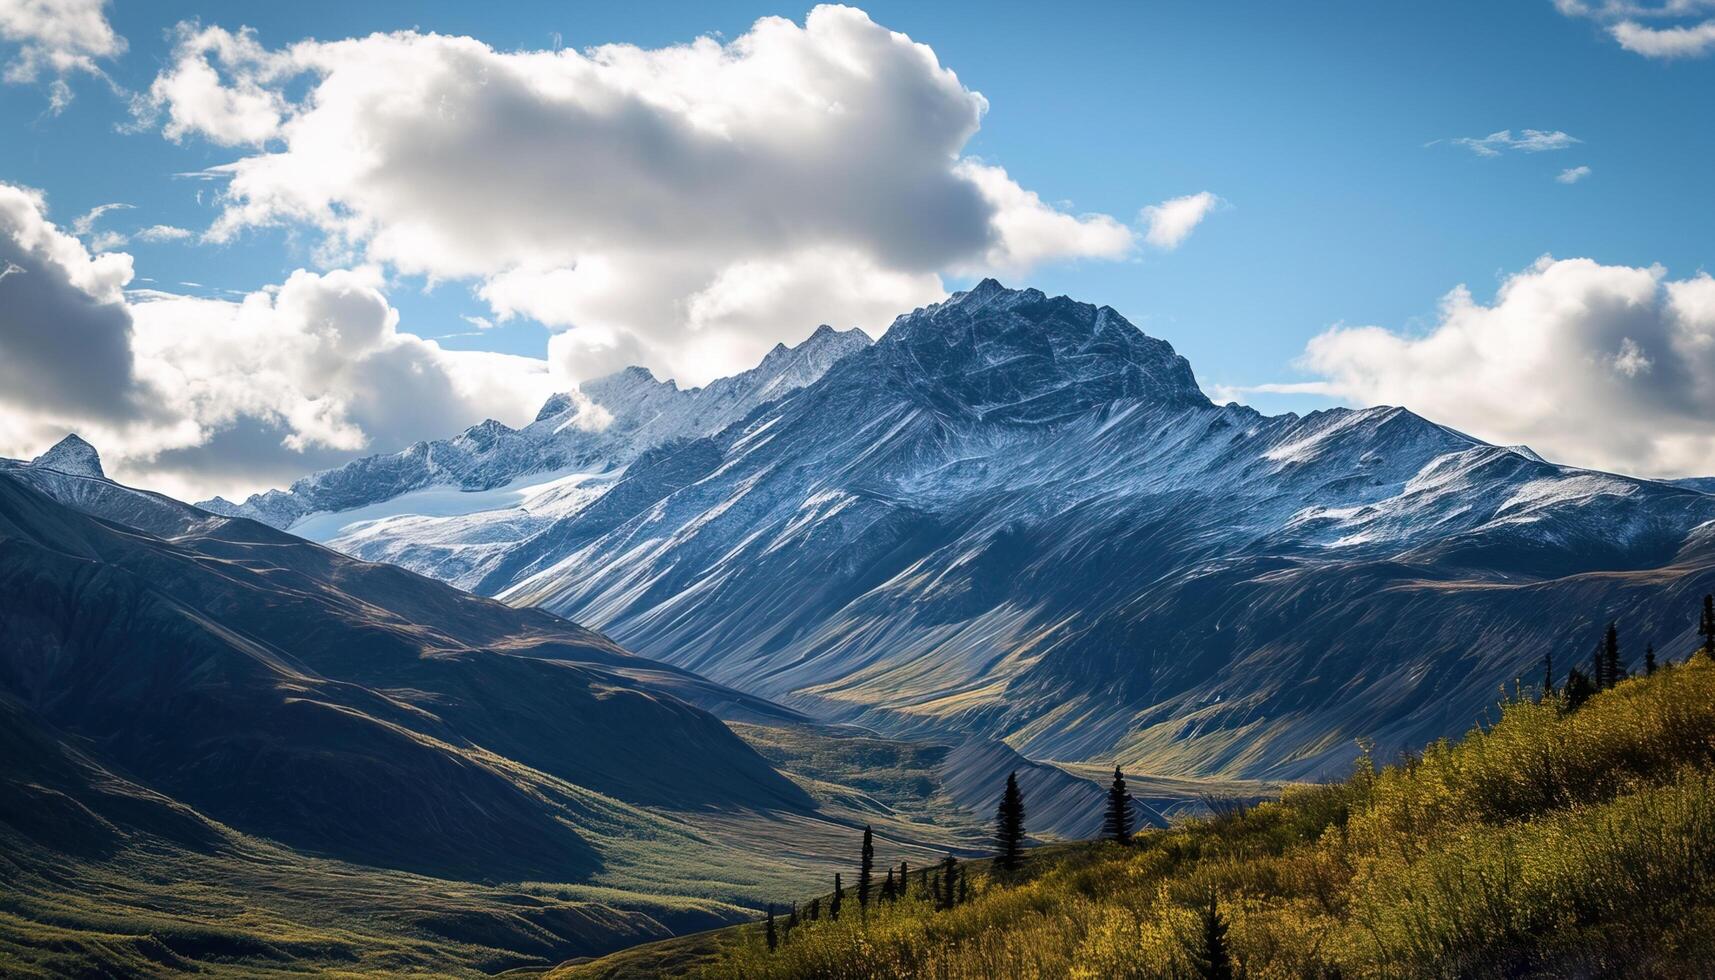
x=1564 y=840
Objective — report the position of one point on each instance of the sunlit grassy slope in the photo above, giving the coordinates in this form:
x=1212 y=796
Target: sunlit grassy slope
x=1551 y=844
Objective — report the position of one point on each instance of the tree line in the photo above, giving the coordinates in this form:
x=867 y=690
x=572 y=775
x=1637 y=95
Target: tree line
x=947 y=884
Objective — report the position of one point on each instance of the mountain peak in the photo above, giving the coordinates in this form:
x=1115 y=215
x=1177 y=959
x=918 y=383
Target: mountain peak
x=1021 y=354
x=72 y=455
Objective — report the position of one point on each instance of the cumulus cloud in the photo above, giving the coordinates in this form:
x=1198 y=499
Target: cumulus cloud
x=196 y=396
x=1527 y=141
x=1666 y=29
x=1172 y=221
x=688 y=206
x=1598 y=365
x=65 y=330
x=1572 y=175
x=56 y=39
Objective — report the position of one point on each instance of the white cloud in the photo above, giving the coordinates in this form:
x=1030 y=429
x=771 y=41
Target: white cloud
x=682 y=205
x=1527 y=141
x=1572 y=175
x=195 y=396
x=479 y=322
x=57 y=38
x=1598 y=365
x=162 y=233
x=1686 y=31
x=1172 y=221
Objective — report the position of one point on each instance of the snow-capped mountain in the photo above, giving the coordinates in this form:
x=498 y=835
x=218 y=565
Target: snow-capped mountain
x=615 y=418
x=1019 y=516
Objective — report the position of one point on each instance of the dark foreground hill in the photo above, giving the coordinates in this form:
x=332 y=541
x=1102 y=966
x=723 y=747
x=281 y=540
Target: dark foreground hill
x=1556 y=843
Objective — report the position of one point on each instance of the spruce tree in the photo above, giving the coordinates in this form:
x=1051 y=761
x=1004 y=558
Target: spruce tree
x=1009 y=827
x=1547 y=676
x=923 y=881
x=813 y=911
x=866 y=869
x=1116 y=826
x=839 y=899
x=792 y=919
x=769 y=933
x=1578 y=689
x=1706 y=626
x=1611 y=656
x=1212 y=959
x=964 y=886
x=1649 y=660
x=934 y=892
x=949 y=882
x=904 y=879
x=887 y=893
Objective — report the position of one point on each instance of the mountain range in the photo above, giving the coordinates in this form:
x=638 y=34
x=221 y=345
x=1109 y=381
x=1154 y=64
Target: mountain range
x=1019 y=518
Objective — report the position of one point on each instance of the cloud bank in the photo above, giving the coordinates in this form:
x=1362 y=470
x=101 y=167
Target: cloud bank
x=683 y=207
x=1599 y=365
x=197 y=396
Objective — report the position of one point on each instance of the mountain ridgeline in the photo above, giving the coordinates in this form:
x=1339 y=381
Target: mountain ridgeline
x=1019 y=517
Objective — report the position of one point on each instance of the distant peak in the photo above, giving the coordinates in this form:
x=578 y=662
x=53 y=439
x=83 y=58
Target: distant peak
x=71 y=455
x=557 y=404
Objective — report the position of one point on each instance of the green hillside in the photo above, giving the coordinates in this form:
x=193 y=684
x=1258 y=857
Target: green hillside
x=1556 y=842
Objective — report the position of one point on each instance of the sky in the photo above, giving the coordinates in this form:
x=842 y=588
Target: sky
x=240 y=242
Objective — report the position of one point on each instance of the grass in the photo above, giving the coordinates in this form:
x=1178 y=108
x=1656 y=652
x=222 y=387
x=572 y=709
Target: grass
x=1549 y=844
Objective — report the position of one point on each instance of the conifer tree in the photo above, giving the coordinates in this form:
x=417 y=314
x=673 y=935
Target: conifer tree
x=813 y=911
x=1009 y=826
x=923 y=881
x=1116 y=826
x=1578 y=690
x=1706 y=626
x=1212 y=959
x=904 y=879
x=1649 y=660
x=949 y=882
x=839 y=899
x=772 y=936
x=1611 y=656
x=887 y=893
x=866 y=869
x=792 y=919
x=1547 y=675
x=964 y=886
x=934 y=892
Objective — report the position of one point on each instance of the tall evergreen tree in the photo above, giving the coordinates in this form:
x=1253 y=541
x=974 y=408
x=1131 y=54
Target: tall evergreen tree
x=1706 y=626
x=964 y=886
x=1649 y=660
x=904 y=879
x=1547 y=675
x=813 y=911
x=772 y=936
x=1009 y=827
x=1611 y=656
x=792 y=919
x=837 y=900
x=889 y=889
x=923 y=882
x=866 y=869
x=1116 y=825
x=1579 y=689
x=949 y=882
x=1212 y=959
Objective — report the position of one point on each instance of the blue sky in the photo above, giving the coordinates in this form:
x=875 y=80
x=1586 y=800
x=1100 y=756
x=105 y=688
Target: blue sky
x=1328 y=130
